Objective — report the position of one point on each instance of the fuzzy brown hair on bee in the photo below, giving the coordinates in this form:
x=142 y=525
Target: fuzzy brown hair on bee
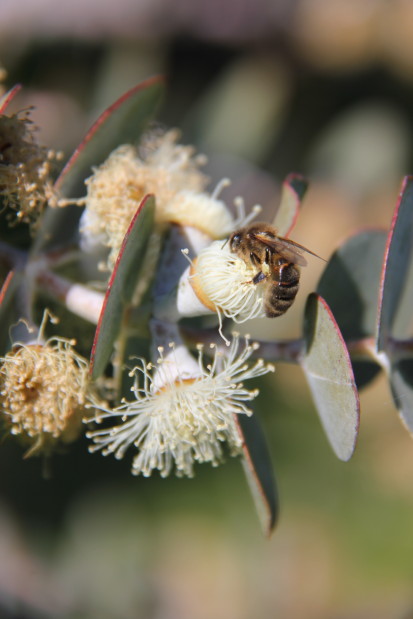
x=277 y=261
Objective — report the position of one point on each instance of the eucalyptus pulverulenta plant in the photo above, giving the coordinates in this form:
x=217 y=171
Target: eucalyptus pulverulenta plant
x=130 y=210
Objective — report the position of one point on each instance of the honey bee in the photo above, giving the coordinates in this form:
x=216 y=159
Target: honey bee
x=278 y=261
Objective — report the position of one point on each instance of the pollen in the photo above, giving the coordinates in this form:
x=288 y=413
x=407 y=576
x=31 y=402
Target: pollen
x=43 y=393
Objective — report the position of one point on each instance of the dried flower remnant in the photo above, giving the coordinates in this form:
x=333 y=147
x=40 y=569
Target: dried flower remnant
x=162 y=167
x=25 y=168
x=184 y=410
x=43 y=392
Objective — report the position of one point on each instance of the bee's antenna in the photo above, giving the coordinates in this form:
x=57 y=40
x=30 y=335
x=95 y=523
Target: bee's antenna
x=225 y=242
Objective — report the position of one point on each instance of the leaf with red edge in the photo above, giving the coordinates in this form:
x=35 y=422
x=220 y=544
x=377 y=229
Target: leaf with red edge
x=394 y=320
x=8 y=97
x=121 y=123
x=327 y=366
x=259 y=471
x=350 y=285
x=293 y=190
x=395 y=306
x=122 y=285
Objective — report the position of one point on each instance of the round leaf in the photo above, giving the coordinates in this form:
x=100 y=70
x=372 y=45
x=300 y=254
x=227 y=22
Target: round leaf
x=328 y=370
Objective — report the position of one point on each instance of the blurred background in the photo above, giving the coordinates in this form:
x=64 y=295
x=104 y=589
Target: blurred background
x=320 y=87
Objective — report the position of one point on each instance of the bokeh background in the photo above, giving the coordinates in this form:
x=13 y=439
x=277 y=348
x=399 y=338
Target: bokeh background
x=321 y=87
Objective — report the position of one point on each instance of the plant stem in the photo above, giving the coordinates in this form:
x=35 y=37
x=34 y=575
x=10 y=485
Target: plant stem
x=78 y=299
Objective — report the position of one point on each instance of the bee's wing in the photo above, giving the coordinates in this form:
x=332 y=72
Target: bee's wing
x=289 y=249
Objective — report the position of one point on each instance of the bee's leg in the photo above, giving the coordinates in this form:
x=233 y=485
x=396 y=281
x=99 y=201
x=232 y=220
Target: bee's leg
x=267 y=255
x=255 y=261
x=259 y=277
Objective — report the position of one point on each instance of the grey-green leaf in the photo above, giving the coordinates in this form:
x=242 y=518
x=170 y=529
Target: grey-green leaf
x=122 y=285
x=259 y=471
x=401 y=382
x=328 y=370
x=395 y=306
x=121 y=123
x=350 y=283
x=293 y=191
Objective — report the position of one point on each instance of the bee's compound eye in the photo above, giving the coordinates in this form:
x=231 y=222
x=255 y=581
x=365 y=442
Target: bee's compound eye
x=235 y=241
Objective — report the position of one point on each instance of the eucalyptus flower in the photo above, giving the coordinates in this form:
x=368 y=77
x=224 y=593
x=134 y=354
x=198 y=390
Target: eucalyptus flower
x=183 y=411
x=43 y=392
x=161 y=167
x=218 y=281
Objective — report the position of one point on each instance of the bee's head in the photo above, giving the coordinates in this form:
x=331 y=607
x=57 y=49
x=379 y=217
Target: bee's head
x=235 y=240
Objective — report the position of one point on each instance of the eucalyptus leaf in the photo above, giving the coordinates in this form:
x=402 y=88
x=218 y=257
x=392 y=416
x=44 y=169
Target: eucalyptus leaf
x=396 y=266
x=121 y=123
x=350 y=284
x=327 y=366
x=259 y=471
x=8 y=97
x=401 y=382
x=122 y=285
x=293 y=190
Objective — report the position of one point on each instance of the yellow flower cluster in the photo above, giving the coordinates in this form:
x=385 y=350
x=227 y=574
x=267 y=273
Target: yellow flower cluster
x=43 y=392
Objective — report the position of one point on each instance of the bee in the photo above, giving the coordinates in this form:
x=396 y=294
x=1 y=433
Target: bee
x=277 y=260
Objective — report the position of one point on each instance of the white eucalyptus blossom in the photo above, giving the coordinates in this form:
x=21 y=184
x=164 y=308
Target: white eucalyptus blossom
x=169 y=171
x=183 y=410
x=221 y=282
